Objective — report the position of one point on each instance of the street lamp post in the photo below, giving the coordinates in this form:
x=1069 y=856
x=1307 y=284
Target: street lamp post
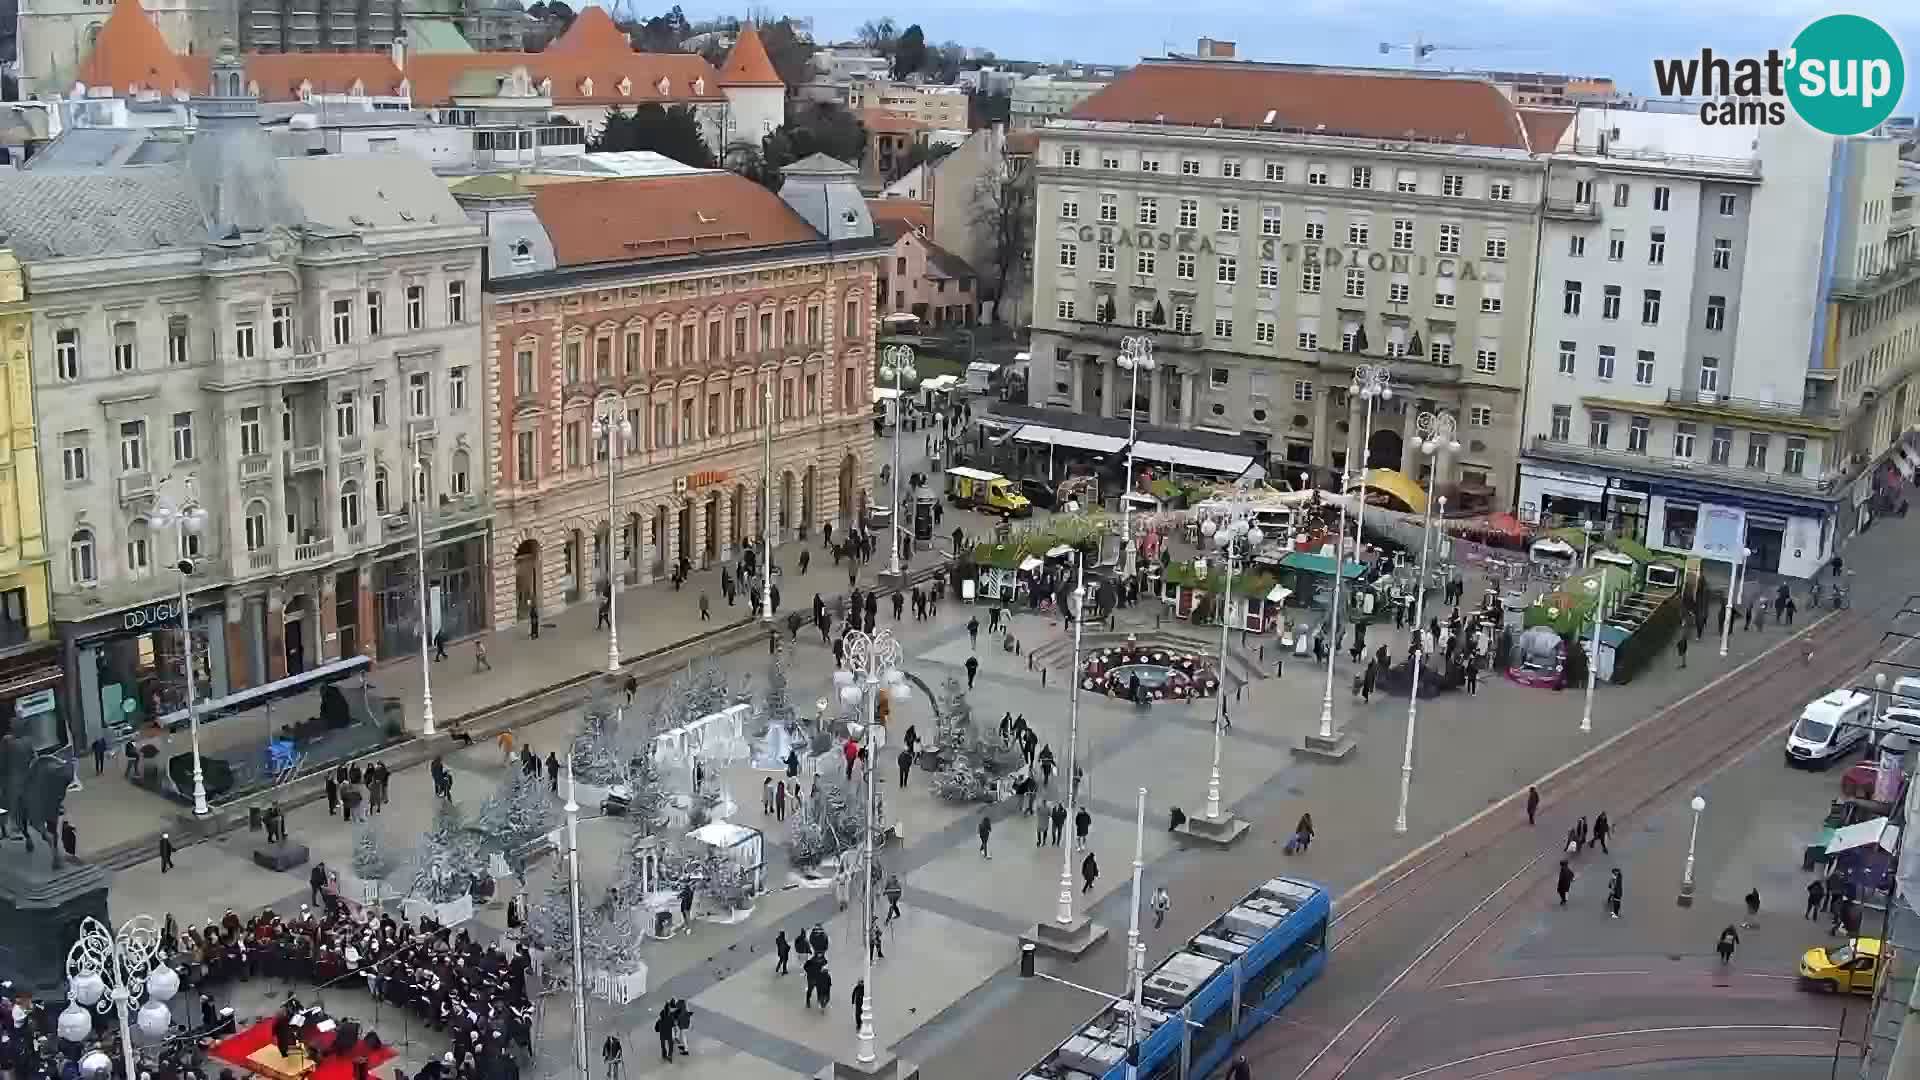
x=572 y=810
x=1333 y=629
x=187 y=518
x=766 y=508
x=420 y=556
x=1593 y=650
x=1736 y=581
x=1078 y=602
x=1436 y=430
x=1136 y=950
x=616 y=429
x=1374 y=383
x=1586 y=543
x=1693 y=838
x=873 y=668
x=1136 y=355
x=1236 y=537
x=101 y=975
x=896 y=363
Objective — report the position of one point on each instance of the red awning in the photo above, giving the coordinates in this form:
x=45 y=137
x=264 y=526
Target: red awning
x=1507 y=525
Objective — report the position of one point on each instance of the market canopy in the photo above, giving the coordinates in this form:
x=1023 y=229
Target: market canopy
x=1309 y=563
x=1187 y=457
x=1396 y=485
x=1862 y=833
x=1043 y=435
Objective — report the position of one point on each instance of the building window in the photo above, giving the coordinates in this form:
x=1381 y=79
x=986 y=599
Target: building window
x=1069 y=255
x=1489 y=300
x=1362 y=177
x=179 y=348
x=1444 y=299
x=349 y=504
x=1183 y=267
x=1610 y=302
x=1657 y=245
x=1599 y=428
x=1063 y=309
x=1189 y=166
x=525 y=456
x=125 y=344
x=1226 y=269
x=1757 y=452
x=133 y=446
x=1453 y=185
x=419 y=395
x=1795 y=461
x=1570 y=298
x=1271 y=221
x=1637 y=430
x=1643 y=367
x=1148 y=212
x=1229 y=217
x=1662 y=196
x=1604 y=365
x=1403 y=234
x=1720 y=449
x=1650 y=307
x=66 y=354
x=244 y=341
x=346 y=416
x=850 y=330
x=1109 y=161
x=1441 y=352
x=1616 y=245
x=1309 y=277
x=416 y=306
x=1263 y=331
x=1728 y=203
x=1398 y=292
x=1622 y=194
x=1448 y=240
x=1683 y=437
x=1356 y=283
x=1496 y=247
x=1189 y=213
x=256 y=526
x=1722 y=253
x=1109 y=209
x=1358 y=230
x=1560 y=428
x=1149 y=163
x=250 y=431
x=343 y=320
x=572 y=438
x=456 y=302
x=1576 y=246
x=1230 y=168
x=1070 y=156
x=1222 y=328
x=1143 y=263
x=1182 y=319
x=1106 y=257
x=1317 y=176
x=1069 y=210
x=1500 y=190
x=1567 y=353
x=1307 y=340
x=81 y=566
x=1481 y=416
x=1486 y=360
x=457 y=389
x=1276 y=172
x=1716 y=313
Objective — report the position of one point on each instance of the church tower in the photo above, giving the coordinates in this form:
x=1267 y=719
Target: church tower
x=756 y=97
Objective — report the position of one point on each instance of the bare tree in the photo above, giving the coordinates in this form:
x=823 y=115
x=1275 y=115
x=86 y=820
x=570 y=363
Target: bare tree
x=1003 y=211
x=879 y=34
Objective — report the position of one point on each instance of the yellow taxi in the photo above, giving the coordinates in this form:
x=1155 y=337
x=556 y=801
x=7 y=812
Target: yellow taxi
x=1852 y=967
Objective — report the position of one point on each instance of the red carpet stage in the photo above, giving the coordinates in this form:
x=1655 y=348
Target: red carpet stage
x=253 y=1050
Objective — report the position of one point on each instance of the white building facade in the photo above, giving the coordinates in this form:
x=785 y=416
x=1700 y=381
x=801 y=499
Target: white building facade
x=1724 y=334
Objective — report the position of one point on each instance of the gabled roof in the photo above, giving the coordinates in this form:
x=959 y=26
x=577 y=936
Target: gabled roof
x=130 y=54
x=601 y=221
x=748 y=64
x=279 y=76
x=592 y=31
x=1362 y=104
x=1545 y=127
x=942 y=263
x=688 y=77
x=893 y=217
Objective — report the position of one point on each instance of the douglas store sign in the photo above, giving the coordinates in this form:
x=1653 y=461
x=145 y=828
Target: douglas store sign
x=158 y=613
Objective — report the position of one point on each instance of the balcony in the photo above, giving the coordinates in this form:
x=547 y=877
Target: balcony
x=352 y=446
x=306 y=459
x=422 y=429
x=255 y=467
x=260 y=561
x=135 y=485
x=314 y=550
x=1874 y=285
x=1570 y=210
x=1114 y=333
x=1406 y=369
x=1684 y=468
x=310 y=362
x=1725 y=404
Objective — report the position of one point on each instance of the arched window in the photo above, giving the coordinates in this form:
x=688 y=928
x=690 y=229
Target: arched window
x=81 y=566
x=423 y=484
x=350 y=504
x=457 y=481
x=257 y=525
x=139 y=551
x=380 y=504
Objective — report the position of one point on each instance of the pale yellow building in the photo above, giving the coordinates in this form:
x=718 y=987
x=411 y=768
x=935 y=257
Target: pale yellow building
x=29 y=661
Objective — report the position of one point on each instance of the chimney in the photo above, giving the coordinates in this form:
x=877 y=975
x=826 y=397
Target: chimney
x=399 y=50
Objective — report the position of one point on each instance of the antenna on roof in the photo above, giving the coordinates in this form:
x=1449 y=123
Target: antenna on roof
x=1420 y=48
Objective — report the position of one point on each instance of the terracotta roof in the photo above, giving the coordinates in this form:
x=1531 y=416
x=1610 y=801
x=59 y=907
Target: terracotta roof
x=651 y=217
x=891 y=122
x=944 y=263
x=689 y=77
x=1544 y=128
x=747 y=63
x=1023 y=143
x=592 y=31
x=131 y=54
x=1381 y=105
x=279 y=76
x=900 y=215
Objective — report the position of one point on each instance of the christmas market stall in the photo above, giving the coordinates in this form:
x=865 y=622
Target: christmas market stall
x=1194 y=590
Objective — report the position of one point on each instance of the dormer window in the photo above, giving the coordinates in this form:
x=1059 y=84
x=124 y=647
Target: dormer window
x=522 y=251
x=358 y=89
x=546 y=87
x=586 y=87
x=699 y=86
x=306 y=90
x=625 y=87
x=665 y=86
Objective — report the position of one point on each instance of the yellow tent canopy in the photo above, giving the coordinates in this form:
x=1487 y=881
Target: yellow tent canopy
x=1396 y=484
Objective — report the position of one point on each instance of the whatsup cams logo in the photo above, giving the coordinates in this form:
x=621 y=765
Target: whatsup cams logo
x=1843 y=75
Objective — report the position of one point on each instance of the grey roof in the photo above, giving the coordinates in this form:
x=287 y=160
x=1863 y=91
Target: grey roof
x=238 y=179
x=817 y=164
x=50 y=215
x=350 y=191
x=88 y=148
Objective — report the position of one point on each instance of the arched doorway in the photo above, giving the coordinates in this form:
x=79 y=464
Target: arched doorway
x=1384 y=450
x=657 y=540
x=737 y=517
x=683 y=538
x=848 y=466
x=576 y=552
x=711 y=550
x=787 y=507
x=630 y=549
x=526 y=577
x=806 y=498
x=602 y=556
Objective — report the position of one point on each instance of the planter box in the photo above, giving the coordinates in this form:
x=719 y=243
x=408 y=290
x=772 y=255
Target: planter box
x=619 y=989
x=451 y=913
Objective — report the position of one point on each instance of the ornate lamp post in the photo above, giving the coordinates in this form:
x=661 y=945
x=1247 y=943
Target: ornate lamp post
x=572 y=810
x=1735 y=585
x=188 y=517
x=101 y=969
x=1333 y=631
x=1686 y=877
x=1373 y=383
x=420 y=555
x=896 y=363
x=1233 y=533
x=1436 y=432
x=617 y=430
x=1136 y=355
x=766 y=509
x=1593 y=651
x=1064 y=917
x=873 y=668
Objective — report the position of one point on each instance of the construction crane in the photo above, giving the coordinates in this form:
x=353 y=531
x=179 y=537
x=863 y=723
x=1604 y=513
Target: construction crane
x=1420 y=48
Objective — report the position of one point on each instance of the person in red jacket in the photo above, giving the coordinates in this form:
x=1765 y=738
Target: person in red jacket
x=853 y=754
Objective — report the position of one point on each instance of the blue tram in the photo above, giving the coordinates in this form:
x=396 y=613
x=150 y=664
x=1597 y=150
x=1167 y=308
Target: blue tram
x=1209 y=996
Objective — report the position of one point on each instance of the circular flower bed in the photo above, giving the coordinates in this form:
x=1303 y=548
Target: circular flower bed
x=1164 y=673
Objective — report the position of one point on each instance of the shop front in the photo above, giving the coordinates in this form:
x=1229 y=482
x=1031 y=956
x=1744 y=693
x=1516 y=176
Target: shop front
x=1779 y=537
x=127 y=667
x=30 y=683
x=456 y=591
x=1555 y=497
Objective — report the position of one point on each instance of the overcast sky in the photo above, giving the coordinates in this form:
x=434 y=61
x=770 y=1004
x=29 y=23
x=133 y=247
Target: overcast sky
x=1618 y=39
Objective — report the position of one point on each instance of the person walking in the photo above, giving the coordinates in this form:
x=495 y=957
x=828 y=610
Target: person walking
x=611 y=1052
x=1580 y=833
x=1565 y=882
x=906 y=765
x=1680 y=647
x=1602 y=828
x=973 y=668
x=1753 y=909
x=317 y=883
x=985 y=830
x=973 y=632
x=1729 y=940
x=851 y=751
x=1059 y=821
x=1533 y=803
x=1616 y=889
x=766 y=796
x=333 y=795
x=811 y=969
x=664 y=1026
x=780 y=801
x=1816 y=897
x=892 y=892
x=1161 y=904
x=166 y=853
x=858 y=998
x=533 y=620
x=1089 y=870
x=823 y=984
x=1240 y=1070
x=99 y=754
x=553 y=772
x=133 y=760
x=439 y=645
x=706 y=609
x=1082 y=822
x=1303 y=833
x=782 y=950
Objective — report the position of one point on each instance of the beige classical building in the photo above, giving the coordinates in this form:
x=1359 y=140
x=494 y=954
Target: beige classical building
x=1273 y=228
x=721 y=322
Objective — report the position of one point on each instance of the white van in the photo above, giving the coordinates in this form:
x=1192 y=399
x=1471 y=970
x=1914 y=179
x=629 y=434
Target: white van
x=1906 y=690
x=1829 y=727
x=1902 y=719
